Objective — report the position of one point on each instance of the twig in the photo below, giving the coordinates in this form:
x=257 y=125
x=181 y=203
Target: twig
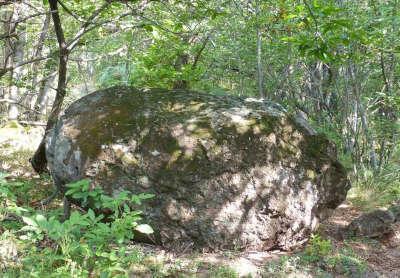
x=24 y=19
x=12 y=101
x=33 y=123
x=197 y=58
x=51 y=198
x=3 y=71
x=71 y=13
x=84 y=27
x=314 y=19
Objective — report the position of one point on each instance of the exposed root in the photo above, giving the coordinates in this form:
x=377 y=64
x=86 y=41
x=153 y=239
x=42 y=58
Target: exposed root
x=51 y=198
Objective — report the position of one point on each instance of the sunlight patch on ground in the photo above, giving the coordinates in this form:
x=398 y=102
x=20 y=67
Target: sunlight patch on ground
x=20 y=138
x=17 y=144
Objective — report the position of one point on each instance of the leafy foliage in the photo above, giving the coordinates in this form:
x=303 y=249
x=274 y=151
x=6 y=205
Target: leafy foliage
x=321 y=254
x=87 y=243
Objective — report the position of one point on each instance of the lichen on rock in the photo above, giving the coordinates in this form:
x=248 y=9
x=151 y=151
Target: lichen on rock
x=226 y=172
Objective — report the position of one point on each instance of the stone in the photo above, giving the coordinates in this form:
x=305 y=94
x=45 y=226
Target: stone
x=8 y=253
x=374 y=224
x=395 y=209
x=227 y=172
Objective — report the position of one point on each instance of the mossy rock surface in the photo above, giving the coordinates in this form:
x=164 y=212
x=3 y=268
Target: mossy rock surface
x=227 y=172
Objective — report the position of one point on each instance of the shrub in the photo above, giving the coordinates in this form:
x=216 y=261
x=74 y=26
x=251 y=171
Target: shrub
x=84 y=244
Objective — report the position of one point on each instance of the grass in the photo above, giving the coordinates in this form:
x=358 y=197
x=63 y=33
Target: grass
x=223 y=272
x=371 y=190
x=319 y=259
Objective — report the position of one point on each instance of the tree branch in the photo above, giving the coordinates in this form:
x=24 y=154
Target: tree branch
x=310 y=11
x=85 y=26
x=71 y=13
x=7 y=35
x=74 y=42
x=39 y=161
x=3 y=71
x=26 y=18
x=7 y=2
x=203 y=46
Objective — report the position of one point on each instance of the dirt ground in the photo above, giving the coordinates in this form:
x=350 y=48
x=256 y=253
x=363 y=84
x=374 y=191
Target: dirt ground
x=381 y=255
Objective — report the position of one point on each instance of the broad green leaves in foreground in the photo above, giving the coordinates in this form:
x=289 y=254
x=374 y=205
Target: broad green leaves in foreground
x=87 y=243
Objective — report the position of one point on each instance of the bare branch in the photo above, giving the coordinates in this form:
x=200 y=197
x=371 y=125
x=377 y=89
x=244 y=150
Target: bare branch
x=71 y=13
x=33 y=123
x=7 y=36
x=203 y=46
x=26 y=18
x=74 y=42
x=7 y=2
x=3 y=71
x=12 y=101
x=85 y=26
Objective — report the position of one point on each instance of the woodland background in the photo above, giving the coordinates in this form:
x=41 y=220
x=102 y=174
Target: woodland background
x=337 y=62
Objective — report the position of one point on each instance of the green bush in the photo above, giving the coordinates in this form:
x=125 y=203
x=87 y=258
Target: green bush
x=317 y=249
x=83 y=245
x=372 y=190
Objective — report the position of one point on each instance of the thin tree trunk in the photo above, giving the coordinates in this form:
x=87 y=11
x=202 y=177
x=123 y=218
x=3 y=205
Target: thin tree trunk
x=260 y=66
x=8 y=29
x=128 y=58
x=260 y=70
x=364 y=121
x=39 y=161
x=17 y=57
x=368 y=137
x=38 y=53
x=43 y=96
x=180 y=62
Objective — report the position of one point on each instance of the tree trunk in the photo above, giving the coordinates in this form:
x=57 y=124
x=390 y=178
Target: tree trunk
x=35 y=66
x=39 y=161
x=42 y=99
x=17 y=57
x=181 y=60
x=370 y=141
x=364 y=121
x=7 y=29
x=260 y=70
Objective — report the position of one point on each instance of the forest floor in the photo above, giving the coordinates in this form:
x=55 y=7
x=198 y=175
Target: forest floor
x=326 y=255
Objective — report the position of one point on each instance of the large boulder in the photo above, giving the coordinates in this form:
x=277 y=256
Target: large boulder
x=226 y=172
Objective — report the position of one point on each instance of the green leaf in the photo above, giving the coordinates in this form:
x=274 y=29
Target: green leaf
x=41 y=220
x=148 y=28
x=144 y=196
x=291 y=16
x=91 y=215
x=144 y=229
x=29 y=221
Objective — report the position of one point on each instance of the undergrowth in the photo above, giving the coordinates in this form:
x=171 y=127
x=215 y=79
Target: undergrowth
x=35 y=243
x=371 y=190
x=319 y=259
